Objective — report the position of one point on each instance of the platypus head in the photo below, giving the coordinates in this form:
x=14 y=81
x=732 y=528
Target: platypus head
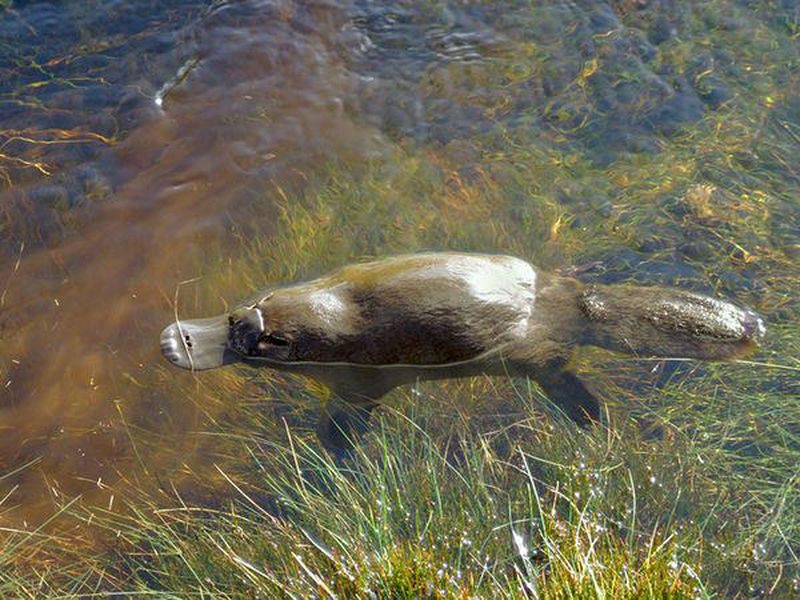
x=200 y=344
x=250 y=338
x=653 y=321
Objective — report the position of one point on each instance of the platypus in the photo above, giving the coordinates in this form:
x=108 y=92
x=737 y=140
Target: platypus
x=367 y=328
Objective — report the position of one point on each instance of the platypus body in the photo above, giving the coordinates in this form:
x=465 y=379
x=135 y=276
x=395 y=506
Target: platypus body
x=367 y=328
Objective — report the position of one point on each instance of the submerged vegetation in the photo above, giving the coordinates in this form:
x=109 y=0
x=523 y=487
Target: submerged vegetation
x=497 y=496
x=668 y=152
x=465 y=488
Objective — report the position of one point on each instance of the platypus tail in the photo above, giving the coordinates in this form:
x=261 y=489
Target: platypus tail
x=656 y=321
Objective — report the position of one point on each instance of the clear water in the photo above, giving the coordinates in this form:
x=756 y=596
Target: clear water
x=137 y=137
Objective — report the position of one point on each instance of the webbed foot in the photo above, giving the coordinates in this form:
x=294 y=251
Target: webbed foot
x=596 y=266
x=341 y=423
x=572 y=396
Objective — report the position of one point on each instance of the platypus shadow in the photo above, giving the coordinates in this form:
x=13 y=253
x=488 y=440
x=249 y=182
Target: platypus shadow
x=368 y=328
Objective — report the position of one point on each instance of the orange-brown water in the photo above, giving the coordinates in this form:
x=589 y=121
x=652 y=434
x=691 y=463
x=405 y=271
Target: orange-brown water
x=263 y=101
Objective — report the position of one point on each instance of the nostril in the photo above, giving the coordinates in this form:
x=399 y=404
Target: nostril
x=196 y=345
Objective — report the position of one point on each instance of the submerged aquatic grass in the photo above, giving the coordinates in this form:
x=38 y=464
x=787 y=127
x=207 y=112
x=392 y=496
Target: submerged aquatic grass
x=500 y=497
x=409 y=516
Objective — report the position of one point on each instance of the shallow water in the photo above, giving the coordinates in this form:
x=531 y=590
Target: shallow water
x=139 y=138
x=261 y=98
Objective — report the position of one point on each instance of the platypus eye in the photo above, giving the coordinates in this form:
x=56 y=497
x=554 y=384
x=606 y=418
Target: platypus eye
x=276 y=338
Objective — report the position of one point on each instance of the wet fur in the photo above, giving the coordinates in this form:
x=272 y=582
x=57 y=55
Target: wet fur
x=366 y=329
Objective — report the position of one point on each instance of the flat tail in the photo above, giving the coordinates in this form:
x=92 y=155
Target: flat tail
x=666 y=322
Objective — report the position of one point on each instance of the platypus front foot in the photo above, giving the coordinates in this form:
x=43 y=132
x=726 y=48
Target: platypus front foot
x=596 y=266
x=341 y=423
x=571 y=395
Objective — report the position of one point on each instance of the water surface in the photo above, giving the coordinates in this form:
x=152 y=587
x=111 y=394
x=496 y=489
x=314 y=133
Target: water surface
x=142 y=142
